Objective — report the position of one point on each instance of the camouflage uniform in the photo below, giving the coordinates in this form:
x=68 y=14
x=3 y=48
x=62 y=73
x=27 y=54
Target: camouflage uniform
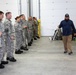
x=18 y=31
x=22 y=42
x=9 y=31
x=30 y=31
x=2 y=43
x=36 y=26
x=35 y=29
x=25 y=32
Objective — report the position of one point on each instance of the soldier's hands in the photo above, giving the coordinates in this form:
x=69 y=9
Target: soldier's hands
x=25 y=27
x=12 y=37
x=28 y=30
x=75 y=34
x=0 y=33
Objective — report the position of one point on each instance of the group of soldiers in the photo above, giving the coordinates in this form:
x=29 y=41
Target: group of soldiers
x=23 y=32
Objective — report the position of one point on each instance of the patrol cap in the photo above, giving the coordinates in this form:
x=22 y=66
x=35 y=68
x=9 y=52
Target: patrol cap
x=66 y=15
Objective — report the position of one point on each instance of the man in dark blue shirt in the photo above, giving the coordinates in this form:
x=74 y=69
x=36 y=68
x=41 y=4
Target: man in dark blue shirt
x=67 y=27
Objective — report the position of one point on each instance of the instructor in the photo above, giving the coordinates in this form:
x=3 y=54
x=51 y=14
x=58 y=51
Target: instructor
x=67 y=27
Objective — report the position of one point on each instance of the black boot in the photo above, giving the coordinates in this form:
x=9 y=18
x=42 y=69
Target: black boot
x=31 y=40
x=26 y=48
x=65 y=52
x=35 y=38
x=29 y=44
x=11 y=59
x=4 y=62
x=22 y=47
x=18 y=52
x=70 y=53
x=2 y=66
x=38 y=37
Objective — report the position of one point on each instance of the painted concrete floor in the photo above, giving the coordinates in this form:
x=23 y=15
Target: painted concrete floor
x=43 y=58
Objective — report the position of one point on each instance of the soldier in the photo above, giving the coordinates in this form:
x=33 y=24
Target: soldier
x=18 y=36
x=9 y=37
x=25 y=31
x=36 y=26
x=23 y=23
x=30 y=30
x=2 y=43
x=67 y=27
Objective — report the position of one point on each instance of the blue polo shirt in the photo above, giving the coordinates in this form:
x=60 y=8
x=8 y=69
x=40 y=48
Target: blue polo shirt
x=67 y=27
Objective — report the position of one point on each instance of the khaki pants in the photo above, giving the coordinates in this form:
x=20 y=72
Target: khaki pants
x=67 y=40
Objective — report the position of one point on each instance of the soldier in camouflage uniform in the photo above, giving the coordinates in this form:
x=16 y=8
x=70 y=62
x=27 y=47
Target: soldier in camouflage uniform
x=9 y=37
x=23 y=23
x=25 y=31
x=18 y=36
x=2 y=43
x=30 y=30
x=36 y=27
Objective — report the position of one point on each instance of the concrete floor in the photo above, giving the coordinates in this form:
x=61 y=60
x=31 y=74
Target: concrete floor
x=44 y=58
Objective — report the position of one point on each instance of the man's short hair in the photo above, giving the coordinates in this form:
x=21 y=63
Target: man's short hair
x=21 y=15
x=7 y=13
x=1 y=12
x=34 y=18
x=17 y=17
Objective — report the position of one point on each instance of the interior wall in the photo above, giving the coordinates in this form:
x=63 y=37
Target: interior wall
x=11 y=6
x=25 y=7
x=53 y=11
x=36 y=8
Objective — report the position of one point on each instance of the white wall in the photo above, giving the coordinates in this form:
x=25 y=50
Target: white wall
x=11 y=6
x=53 y=11
x=24 y=4
x=36 y=8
